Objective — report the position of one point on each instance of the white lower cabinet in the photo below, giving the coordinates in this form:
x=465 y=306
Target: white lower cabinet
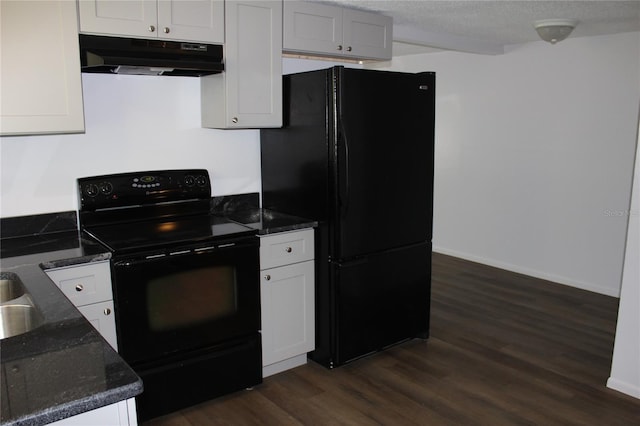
x=287 y=296
x=122 y=413
x=101 y=316
x=88 y=286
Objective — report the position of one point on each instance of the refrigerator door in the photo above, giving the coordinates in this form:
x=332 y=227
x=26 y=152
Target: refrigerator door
x=381 y=300
x=384 y=160
x=295 y=159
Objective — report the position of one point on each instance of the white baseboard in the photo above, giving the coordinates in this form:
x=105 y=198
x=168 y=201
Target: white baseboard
x=624 y=387
x=530 y=272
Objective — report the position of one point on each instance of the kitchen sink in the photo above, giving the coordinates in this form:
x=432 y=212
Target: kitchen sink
x=18 y=313
x=10 y=287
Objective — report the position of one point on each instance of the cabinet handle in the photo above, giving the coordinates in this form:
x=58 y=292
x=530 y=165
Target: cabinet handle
x=152 y=28
x=267 y=277
x=349 y=49
x=166 y=30
x=234 y=120
x=79 y=287
x=107 y=311
x=339 y=47
x=288 y=250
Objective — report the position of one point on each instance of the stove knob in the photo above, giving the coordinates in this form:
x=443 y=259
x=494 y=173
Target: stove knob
x=106 y=188
x=201 y=181
x=189 y=180
x=91 y=190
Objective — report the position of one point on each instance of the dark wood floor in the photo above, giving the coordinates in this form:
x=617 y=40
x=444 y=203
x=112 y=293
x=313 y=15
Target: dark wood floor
x=505 y=349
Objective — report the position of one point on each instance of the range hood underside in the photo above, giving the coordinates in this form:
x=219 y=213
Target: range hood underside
x=116 y=55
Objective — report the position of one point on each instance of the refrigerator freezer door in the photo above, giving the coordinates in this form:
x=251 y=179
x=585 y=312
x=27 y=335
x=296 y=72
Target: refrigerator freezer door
x=381 y=301
x=295 y=159
x=384 y=160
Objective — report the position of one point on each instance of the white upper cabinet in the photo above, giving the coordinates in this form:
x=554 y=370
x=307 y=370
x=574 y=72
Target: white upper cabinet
x=312 y=27
x=323 y=30
x=188 y=20
x=367 y=35
x=249 y=93
x=40 y=68
x=201 y=20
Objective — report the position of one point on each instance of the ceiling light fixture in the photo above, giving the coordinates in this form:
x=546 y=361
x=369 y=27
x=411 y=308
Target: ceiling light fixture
x=554 y=30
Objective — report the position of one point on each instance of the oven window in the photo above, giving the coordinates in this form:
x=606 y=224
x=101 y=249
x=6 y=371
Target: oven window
x=191 y=297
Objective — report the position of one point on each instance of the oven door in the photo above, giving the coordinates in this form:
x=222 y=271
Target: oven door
x=187 y=299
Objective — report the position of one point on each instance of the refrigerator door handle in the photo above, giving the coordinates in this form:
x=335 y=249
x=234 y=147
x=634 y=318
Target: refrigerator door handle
x=342 y=135
x=346 y=172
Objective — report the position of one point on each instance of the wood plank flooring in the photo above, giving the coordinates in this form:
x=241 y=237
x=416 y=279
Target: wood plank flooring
x=505 y=349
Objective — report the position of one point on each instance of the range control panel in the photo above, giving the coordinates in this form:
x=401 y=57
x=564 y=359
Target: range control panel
x=143 y=188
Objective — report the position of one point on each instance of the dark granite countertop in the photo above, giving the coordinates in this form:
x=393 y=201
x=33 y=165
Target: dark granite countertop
x=244 y=209
x=270 y=222
x=63 y=367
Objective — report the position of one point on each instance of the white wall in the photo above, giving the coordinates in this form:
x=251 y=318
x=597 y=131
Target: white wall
x=534 y=156
x=625 y=367
x=133 y=123
x=534 y=152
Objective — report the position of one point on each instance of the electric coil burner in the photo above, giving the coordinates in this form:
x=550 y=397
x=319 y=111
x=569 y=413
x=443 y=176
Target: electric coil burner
x=185 y=282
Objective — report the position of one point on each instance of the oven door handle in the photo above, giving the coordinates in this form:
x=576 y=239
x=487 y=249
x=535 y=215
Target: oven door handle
x=138 y=260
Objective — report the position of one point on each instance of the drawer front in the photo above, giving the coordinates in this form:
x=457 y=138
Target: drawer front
x=85 y=284
x=286 y=248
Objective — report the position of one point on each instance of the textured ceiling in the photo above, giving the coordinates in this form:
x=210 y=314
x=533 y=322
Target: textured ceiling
x=488 y=24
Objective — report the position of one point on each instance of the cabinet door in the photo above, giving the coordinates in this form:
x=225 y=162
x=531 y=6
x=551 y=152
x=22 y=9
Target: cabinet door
x=249 y=93
x=136 y=18
x=118 y=414
x=196 y=20
x=312 y=27
x=88 y=287
x=367 y=35
x=40 y=68
x=288 y=312
x=101 y=316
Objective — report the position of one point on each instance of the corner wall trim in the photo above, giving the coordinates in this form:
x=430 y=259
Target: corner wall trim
x=624 y=387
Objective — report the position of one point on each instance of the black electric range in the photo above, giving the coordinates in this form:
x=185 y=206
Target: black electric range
x=185 y=282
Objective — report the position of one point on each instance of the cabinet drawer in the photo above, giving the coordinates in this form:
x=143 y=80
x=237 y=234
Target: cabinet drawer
x=85 y=284
x=286 y=248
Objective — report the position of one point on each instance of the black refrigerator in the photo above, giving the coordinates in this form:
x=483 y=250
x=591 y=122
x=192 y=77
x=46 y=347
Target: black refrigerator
x=356 y=154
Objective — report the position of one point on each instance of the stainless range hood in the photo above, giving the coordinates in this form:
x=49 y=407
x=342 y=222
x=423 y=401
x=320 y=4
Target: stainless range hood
x=119 y=55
